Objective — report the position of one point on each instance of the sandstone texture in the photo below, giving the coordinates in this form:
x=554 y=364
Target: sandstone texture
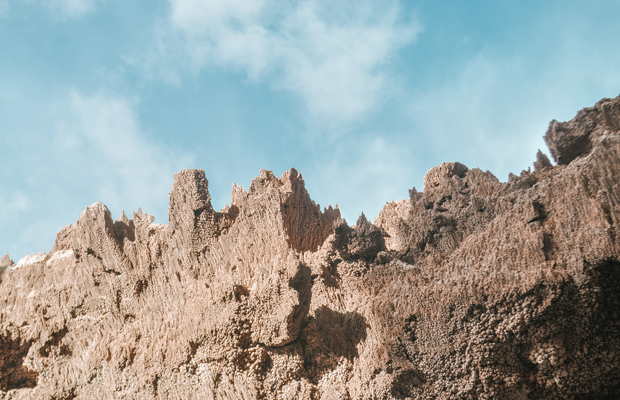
x=471 y=289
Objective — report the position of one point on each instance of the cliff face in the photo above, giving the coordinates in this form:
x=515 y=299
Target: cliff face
x=473 y=289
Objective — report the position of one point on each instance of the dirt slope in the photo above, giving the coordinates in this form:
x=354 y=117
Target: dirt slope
x=472 y=289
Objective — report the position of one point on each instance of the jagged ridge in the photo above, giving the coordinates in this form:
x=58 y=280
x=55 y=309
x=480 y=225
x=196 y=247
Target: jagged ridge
x=472 y=289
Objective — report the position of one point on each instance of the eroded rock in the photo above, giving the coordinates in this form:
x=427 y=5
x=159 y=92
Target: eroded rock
x=472 y=289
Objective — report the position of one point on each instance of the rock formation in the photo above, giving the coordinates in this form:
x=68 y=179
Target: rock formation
x=472 y=289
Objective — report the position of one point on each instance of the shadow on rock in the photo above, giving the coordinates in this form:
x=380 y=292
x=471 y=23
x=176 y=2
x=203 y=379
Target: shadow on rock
x=13 y=374
x=341 y=332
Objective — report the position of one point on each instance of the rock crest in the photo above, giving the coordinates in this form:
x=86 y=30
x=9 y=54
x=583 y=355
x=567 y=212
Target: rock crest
x=6 y=261
x=472 y=289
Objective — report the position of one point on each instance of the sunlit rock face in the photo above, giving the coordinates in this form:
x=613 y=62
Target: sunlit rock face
x=472 y=289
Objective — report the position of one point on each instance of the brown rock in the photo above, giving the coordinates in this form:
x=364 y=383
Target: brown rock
x=6 y=261
x=472 y=289
x=568 y=140
x=542 y=162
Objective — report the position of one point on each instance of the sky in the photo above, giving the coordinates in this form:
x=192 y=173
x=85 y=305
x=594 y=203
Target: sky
x=104 y=100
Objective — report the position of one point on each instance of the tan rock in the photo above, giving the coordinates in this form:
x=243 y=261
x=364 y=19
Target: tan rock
x=6 y=261
x=472 y=289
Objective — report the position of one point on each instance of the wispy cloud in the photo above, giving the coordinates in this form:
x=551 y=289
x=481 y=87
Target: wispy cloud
x=483 y=118
x=330 y=54
x=95 y=149
x=107 y=147
x=13 y=202
x=362 y=176
x=72 y=8
x=64 y=9
x=4 y=7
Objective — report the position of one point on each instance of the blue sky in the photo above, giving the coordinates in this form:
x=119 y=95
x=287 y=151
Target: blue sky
x=104 y=100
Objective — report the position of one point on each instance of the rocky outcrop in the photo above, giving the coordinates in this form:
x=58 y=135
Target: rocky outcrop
x=471 y=289
x=569 y=140
x=5 y=263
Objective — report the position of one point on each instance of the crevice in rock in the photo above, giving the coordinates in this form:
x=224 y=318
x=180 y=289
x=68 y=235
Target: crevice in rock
x=13 y=374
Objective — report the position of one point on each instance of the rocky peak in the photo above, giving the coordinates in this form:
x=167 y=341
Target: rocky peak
x=190 y=213
x=471 y=289
x=6 y=261
x=441 y=180
x=572 y=139
x=542 y=162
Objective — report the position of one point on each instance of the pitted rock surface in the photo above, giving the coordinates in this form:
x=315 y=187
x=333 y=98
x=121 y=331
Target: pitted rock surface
x=472 y=289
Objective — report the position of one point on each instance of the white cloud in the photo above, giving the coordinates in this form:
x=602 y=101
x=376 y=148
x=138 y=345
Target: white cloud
x=483 y=118
x=78 y=150
x=330 y=54
x=4 y=7
x=362 y=176
x=104 y=147
x=13 y=202
x=197 y=16
x=71 y=9
x=494 y=111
